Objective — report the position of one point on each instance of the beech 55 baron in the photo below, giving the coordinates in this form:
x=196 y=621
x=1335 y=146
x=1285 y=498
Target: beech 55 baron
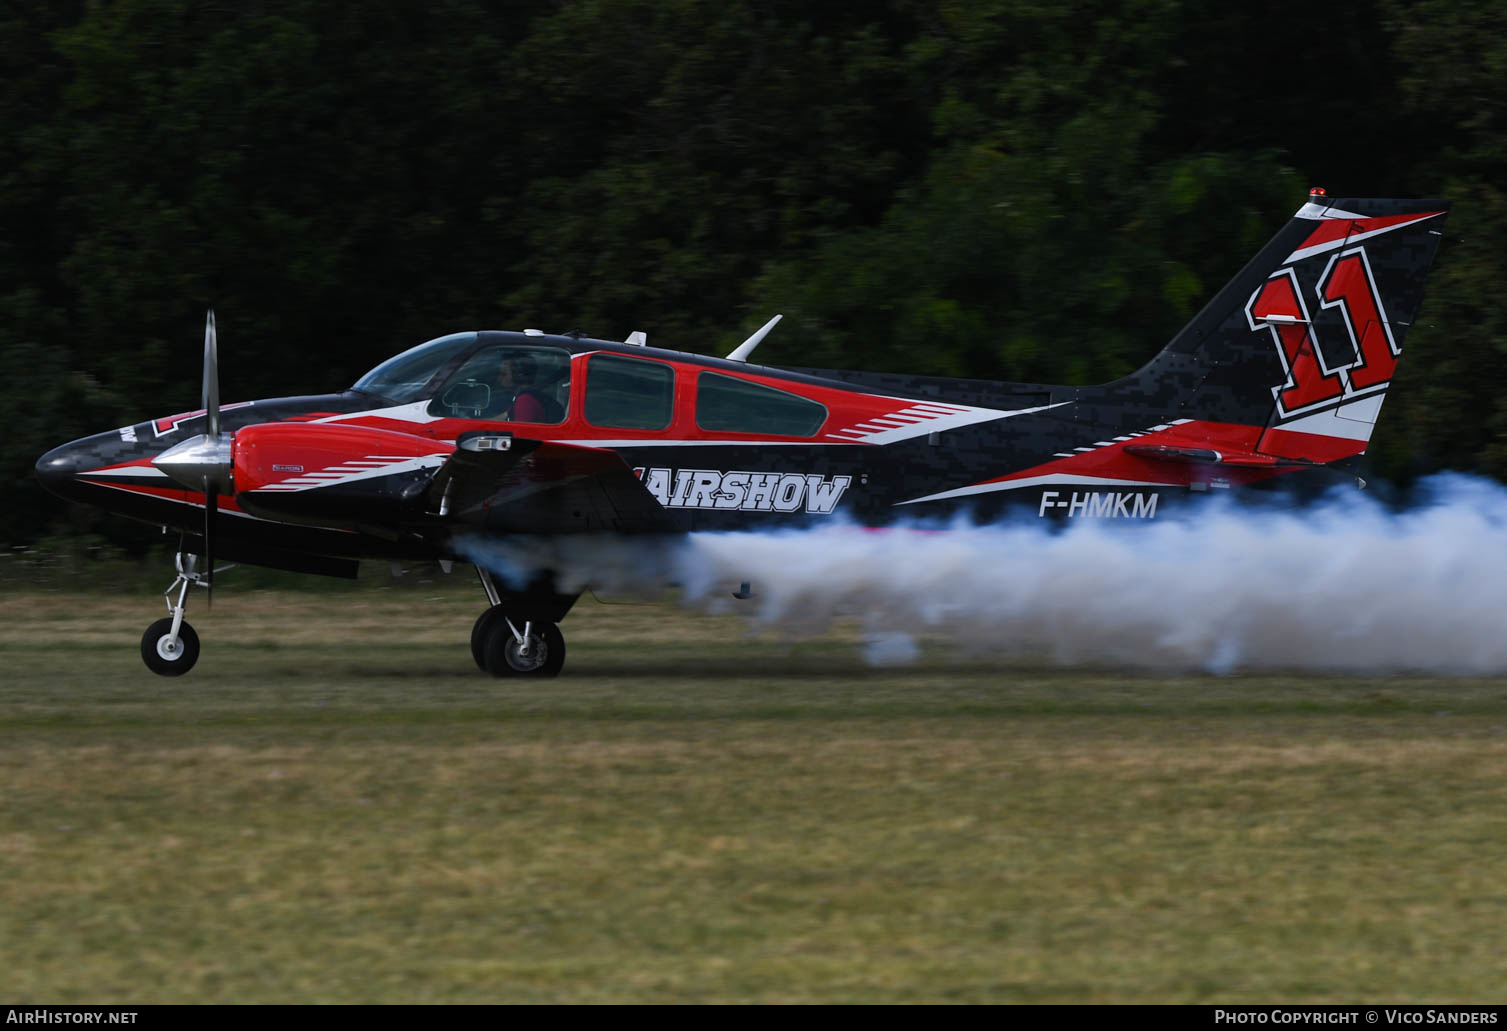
x=1282 y=372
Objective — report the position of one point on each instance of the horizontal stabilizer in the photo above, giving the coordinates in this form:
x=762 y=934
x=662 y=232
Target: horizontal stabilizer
x=1209 y=456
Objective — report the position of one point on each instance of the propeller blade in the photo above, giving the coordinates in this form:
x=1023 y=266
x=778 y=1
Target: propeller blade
x=211 y=378
x=212 y=431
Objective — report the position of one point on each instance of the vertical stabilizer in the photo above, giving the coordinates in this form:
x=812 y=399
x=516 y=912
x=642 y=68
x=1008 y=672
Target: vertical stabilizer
x=1302 y=344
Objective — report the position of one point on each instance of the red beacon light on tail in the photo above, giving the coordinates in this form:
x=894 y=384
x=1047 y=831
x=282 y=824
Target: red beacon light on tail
x=1316 y=191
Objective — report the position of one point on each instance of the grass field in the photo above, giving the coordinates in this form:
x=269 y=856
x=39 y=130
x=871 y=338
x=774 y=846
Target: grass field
x=335 y=806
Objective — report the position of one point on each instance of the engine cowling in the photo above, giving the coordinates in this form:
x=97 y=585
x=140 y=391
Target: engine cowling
x=329 y=474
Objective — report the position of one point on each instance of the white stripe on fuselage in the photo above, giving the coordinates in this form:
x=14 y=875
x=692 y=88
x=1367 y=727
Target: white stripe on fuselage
x=415 y=412
x=143 y=472
x=322 y=478
x=932 y=419
x=1054 y=479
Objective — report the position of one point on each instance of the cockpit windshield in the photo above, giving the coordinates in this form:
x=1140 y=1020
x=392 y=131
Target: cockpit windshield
x=403 y=378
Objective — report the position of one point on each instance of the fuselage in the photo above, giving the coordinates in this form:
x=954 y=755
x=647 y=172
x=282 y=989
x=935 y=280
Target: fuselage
x=718 y=444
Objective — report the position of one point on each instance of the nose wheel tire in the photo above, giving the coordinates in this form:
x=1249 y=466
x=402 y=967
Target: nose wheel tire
x=167 y=657
x=540 y=654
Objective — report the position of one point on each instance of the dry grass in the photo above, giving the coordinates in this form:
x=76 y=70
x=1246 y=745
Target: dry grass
x=336 y=807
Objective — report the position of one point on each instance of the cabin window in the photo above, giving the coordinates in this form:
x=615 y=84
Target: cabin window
x=403 y=377
x=727 y=404
x=629 y=393
x=508 y=384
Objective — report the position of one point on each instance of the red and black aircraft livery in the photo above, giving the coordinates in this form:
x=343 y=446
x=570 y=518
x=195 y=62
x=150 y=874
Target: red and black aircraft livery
x=1282 y=372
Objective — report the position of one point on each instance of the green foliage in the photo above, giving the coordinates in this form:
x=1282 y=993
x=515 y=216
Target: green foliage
x=985 y=254
x=1005 y=188
x=1451 y=385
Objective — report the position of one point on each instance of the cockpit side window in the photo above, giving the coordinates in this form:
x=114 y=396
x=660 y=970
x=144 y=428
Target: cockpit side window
x=509 y=383
x=403 y=378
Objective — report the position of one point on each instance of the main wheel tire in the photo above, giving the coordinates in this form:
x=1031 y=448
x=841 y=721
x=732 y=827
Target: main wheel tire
x=485 y=623
x=546 y=652
x=169 y=661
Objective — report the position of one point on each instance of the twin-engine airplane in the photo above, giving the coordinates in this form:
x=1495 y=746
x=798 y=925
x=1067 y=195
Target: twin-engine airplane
x=1283 y=372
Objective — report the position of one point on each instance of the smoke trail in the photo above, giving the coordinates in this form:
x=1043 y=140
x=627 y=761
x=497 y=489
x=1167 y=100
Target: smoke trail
x=1342 y=585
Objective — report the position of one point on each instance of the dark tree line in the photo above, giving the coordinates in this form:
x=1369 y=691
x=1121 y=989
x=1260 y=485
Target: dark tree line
x=1003 y=188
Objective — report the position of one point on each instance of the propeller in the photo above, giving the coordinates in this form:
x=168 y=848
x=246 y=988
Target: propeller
x=211 y=430
x=202 y=463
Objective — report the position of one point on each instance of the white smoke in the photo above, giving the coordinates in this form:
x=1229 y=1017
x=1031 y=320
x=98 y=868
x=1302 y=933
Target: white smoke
x=1342 y=585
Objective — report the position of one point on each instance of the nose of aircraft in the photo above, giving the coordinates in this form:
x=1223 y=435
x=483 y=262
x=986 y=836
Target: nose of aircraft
x=57 y=469
x=65 y=470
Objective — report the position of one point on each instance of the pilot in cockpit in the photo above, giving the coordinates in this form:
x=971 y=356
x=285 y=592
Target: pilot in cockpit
x=516 y=398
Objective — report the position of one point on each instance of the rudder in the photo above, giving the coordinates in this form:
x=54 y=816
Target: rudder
x=1301 y=345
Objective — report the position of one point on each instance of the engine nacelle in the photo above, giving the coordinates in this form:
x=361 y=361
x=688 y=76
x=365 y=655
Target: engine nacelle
x=329 y=474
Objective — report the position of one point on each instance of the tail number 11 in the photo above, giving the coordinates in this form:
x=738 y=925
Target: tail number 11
x=1347 y=284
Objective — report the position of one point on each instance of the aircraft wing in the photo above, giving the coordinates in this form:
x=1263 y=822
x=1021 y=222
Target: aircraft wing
x=544 y=487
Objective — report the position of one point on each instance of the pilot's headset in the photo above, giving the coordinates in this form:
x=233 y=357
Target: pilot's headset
x=525 y=369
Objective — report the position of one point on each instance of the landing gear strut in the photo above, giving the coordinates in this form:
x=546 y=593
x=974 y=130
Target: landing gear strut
x=170 y=646
x=518 y=635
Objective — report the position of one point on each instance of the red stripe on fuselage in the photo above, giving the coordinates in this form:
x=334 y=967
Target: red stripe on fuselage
x=1110 y=462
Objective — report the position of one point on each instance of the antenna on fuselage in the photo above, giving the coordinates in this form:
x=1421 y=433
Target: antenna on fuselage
x=746 y=348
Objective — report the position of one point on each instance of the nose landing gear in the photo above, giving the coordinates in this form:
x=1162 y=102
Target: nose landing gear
x=170 y=646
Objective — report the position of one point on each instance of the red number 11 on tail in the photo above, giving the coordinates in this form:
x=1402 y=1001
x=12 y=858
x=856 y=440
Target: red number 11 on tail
x=1347 y=284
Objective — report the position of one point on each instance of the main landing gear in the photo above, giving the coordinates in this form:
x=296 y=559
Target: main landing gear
x=518 y=635
x=170 y=647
